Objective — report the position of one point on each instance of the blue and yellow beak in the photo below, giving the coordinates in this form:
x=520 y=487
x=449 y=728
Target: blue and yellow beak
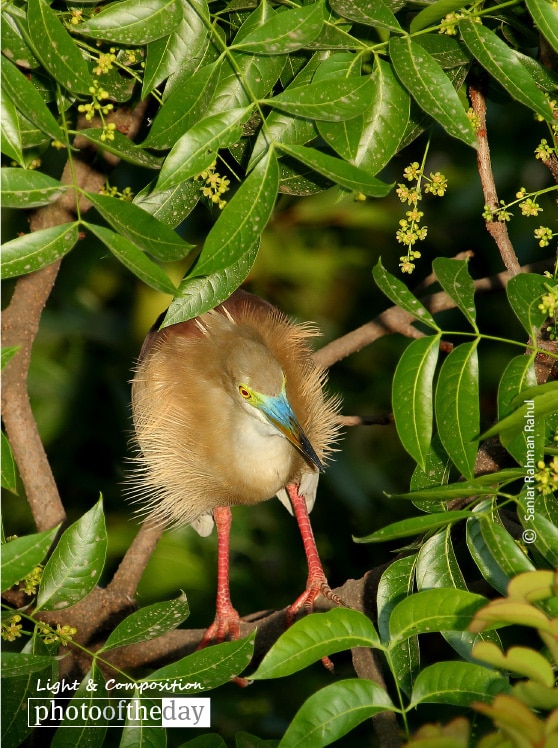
x=279 y=413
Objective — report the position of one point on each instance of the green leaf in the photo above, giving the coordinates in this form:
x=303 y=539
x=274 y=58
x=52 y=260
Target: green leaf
x=434 y=610
x=148 y=623
x=9 y=475
x=396 y=583
x=183 y=108
x=436 y=473
x=483 y=530
x=535 y=392
x=11 y=142
x=314 y=637
x=545 y=16
x=385 y=122
x=351 y=177
x=8 y=352
x=141 y=228
x=25 y=188
x=285 y=32
x=481 y=484
x=518 y=375
x=133 y=22
x=430 y=87
x=457 y=683
x=76 y=563
x=524 y=293
x=448 y=52
x=186 y=41
x=245 y=78
x=231 y=246
x=374 y=13
x=210 y=667
x=16 y=713
x=197 y=148
x=453 y=276
x=22 y=555
x=283 y=128
x=29 y=101
x=334 y=100
x=34 y=251
x=145 y=731
x=14 y=46
x=412 y=396
x=91 y=727
x=15 y=664
x=457 y=406
x=134 y=259
x=503 y=64
x=437 y=567
x=334 y=711
x=56 y=49
x=409 y=527
x=434 y=12
x=544 y=405
x=398 y=292
x=122 y=147
x=173 y=205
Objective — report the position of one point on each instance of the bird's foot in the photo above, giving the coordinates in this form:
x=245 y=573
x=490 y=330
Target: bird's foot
x=314 y=588
x=225 y=627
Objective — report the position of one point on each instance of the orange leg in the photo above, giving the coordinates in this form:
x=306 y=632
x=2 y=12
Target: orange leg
x=227 y=621
x=317 y=583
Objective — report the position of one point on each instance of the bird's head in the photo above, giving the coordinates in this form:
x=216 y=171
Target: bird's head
x=260 y=386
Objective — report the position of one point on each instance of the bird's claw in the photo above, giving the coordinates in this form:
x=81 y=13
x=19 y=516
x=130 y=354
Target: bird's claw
x=225 y=627
x=313 y=590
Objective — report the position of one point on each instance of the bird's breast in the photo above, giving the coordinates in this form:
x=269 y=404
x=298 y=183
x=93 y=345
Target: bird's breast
x=261 y=460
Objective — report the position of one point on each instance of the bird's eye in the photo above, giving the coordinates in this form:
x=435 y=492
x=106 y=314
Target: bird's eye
x=244 y=391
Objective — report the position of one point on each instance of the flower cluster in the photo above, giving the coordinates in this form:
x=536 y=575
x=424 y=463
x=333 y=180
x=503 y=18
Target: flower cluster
x=104 y=63
x=11 y=628
x=410 y=230
x=96 y=107
x=126 y=194
x=546 y=479
x=61 y=634
x=549 y=305
x=544 y=151
x=76 y=17
x=215 y=185
x=474 y=119
x=31 y=582
x=449 y=23
x=529 y=206
x=544 y=235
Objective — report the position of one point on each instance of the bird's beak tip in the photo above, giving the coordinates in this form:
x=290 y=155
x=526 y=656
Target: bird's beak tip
x=284 y=419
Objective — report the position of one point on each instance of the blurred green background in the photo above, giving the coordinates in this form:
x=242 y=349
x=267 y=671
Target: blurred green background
x=315 y=264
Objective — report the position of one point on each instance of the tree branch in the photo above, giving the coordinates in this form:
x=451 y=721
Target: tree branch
x=20 y=323
x=136 y=558
x=396 y=320
x=497 y=229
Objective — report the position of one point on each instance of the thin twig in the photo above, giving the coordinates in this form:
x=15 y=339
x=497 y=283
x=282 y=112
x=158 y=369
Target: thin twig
x=396 y=320
x=497 y=229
